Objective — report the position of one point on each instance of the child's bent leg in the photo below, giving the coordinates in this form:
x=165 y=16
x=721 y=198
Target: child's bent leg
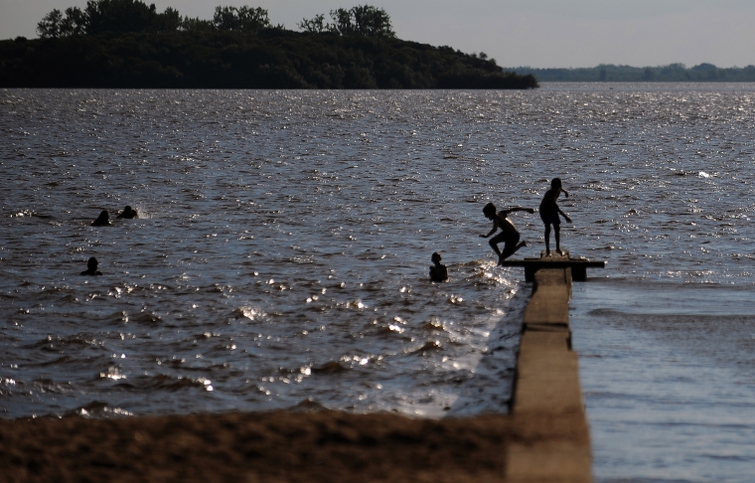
x=547 y=239
x=557 y=235
x=494 y=244
x=510 y=248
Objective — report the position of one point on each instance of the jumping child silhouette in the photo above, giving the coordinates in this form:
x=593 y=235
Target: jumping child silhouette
x=509 y=233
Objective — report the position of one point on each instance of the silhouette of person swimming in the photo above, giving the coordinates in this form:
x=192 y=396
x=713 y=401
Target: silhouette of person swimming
x=549 y=212
x=509 y=234
x=128 y=213
x=102 y=220
x=91 y=267
x=438 y=271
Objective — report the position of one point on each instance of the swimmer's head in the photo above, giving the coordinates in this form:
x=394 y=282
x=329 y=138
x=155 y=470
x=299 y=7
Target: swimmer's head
x=92 y=264
x=436 y=257
x=128 y=212
x=103 y=219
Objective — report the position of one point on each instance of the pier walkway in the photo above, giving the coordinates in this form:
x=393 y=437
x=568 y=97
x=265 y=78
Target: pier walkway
x=547 y=402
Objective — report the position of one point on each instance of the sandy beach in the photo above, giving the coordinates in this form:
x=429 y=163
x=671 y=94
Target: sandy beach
x=313 y=446
x=280 y=446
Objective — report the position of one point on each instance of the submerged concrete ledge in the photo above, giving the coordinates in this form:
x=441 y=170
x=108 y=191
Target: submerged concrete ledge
x=547 y=407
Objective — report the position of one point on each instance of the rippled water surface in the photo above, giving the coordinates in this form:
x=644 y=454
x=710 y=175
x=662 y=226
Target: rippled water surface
x=668 y=376
x=281 y=254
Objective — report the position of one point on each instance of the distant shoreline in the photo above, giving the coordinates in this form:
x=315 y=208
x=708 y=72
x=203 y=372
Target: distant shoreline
x=625 y=73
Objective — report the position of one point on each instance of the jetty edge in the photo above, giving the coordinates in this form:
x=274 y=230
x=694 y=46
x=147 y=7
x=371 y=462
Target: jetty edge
x=547 y=402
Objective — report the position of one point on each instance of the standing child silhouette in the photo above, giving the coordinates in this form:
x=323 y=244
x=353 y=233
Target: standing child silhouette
x=549 y=212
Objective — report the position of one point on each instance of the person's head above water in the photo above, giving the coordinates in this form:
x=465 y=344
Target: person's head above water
x=489 y=211
x=103 y=219
x=438 y=272
x=91 y=267
x=128 y=212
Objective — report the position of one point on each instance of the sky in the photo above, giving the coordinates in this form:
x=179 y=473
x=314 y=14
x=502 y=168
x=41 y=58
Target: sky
x=516 y=33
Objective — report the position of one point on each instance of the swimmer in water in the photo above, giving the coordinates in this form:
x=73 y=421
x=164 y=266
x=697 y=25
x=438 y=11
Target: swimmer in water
x=438 y=271
x=91 y=268
x=509 y=233
x=128 y=213
x=102 y=220
x=549 y=212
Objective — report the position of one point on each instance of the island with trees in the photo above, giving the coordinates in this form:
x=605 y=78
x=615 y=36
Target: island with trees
x=128 y=44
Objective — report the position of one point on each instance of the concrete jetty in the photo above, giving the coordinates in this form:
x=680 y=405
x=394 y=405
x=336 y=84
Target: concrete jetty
x=578 y=266
x=547 y=403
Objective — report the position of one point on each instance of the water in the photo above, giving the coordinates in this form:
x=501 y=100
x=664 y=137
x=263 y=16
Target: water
x=282 y=253
x=281 y=257
x=667 y=374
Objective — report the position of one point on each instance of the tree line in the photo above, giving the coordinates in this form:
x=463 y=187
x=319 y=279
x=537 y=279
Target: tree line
x=127 y=44
x=623 y=73
x=120 y=16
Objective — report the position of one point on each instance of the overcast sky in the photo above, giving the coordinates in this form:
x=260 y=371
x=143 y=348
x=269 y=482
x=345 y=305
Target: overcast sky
x=536 y=33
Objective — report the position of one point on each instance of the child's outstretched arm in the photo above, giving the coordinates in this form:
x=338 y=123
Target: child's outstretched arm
x=518 y=208
x=564 y=215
